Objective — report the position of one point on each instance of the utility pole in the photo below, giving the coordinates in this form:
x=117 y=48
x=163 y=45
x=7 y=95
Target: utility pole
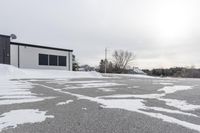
x=105 y=59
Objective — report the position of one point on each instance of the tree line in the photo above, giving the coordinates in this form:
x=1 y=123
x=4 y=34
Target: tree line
x=175 y=72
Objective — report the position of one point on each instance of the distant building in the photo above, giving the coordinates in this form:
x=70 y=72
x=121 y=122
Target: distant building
x=135 y=70
x=86 y=68
x=24 y=55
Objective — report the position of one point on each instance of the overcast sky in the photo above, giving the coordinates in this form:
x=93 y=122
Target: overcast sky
x=161 y=33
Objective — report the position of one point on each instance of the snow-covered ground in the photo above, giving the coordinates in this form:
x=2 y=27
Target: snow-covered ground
x=130 y=75
x=15 y=90
x=11 y=72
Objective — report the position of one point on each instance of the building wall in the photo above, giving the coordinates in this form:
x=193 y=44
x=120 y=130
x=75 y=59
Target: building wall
x=4 y=49
x=14 y=55
x=29 y=57
x=70 y=60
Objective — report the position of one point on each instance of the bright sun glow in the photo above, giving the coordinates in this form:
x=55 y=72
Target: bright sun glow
x=173 y=20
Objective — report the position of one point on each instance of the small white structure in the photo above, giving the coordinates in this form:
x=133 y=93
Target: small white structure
x=34 y=56
x=137 y=70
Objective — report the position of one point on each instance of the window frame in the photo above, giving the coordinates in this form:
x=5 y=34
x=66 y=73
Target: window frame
x=53 y=62
x=60 y=63
x=41 y=60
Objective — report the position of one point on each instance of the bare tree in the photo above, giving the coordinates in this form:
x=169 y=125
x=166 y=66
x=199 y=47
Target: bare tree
x=121 y=59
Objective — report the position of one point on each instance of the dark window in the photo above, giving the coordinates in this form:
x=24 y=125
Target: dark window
x=43 y=59
x=62 y=60
x=53 y=61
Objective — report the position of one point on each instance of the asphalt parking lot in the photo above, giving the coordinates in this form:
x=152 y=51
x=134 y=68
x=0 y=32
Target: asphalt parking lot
x=113 y=104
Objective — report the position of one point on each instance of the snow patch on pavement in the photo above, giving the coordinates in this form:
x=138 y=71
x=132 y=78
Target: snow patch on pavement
x=136 y=87
x=106 y=89
x=63 y=82
x=14 y=118
x=173 y=89
x=18 y=101
x=15 y=92
x=132 y=76
x=180 y=104
x=84 y=108
x=144 y=96
x=84 y=82
x=170 y=111
x=137 y=105
x=66 y=102
x=164 y=83
x=133 y=87
x=172 y=120
x=93 y=85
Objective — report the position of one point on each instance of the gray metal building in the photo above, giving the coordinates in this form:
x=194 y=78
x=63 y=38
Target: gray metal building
x=31 y=56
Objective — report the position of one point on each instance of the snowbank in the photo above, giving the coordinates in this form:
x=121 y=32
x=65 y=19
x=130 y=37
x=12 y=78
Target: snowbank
x=129 y=75
x=11 y=72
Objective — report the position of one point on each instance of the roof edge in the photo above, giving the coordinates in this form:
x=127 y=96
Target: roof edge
x=40 y=46
x=4 y=35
